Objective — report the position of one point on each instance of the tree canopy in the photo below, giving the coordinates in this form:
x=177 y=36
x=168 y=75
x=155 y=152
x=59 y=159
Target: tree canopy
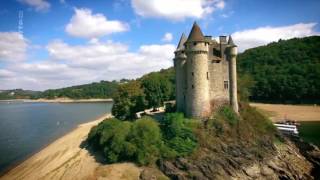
x=287 y=71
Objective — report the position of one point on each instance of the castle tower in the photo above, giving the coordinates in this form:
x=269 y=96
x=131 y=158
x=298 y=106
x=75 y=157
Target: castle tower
x=197 y=99
x=180 y=73
x=232 y=57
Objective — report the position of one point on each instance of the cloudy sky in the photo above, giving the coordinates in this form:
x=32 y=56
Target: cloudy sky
x=51 y=44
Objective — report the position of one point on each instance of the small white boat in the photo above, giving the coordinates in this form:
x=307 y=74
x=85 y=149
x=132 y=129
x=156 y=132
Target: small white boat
x=288 y=127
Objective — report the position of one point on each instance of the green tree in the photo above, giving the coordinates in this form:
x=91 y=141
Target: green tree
x=139 y=141
x=286 y=71
x=128 y=100
x=157 y=89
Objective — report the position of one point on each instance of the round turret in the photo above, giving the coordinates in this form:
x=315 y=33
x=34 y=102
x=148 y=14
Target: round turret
x=180 y=74
x=233 y=50
x=232 y=54
x=196 y=49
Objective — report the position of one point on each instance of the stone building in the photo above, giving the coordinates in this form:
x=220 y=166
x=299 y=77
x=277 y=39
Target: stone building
x=206 y=75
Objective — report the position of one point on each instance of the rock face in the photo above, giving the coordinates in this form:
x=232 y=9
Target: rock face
x=286 y=162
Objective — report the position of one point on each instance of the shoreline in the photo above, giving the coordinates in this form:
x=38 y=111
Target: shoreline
x=299 y=113
x=59 y=100
x=70 y=141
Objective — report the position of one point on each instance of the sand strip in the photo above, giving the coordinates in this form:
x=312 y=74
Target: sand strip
x=278 y=112
x=63 y=159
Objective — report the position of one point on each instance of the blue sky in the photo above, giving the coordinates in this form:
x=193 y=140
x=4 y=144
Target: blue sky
x=69 y=42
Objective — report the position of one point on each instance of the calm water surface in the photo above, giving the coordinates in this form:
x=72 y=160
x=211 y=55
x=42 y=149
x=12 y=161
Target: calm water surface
x=310 y=132
x=25 y=128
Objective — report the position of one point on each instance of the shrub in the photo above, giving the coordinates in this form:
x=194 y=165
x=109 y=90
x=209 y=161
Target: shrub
x=229 y=115
x=139 y=141
x=261 y=123
x=111 y=137
x=142 y=141
x=178 y=134
x=146 y=137
x=128 y=100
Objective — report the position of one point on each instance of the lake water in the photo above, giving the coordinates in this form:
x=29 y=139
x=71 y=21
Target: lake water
x=25 y=128
x=310 y=132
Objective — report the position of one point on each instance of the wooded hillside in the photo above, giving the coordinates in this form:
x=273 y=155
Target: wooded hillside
x=287 y=71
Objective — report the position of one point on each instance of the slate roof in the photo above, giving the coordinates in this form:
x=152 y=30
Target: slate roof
x=195 y=34
x=183 y=39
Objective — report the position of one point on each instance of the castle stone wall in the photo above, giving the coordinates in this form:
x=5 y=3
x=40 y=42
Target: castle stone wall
x=218 y=75
x=180 y=71
x=198 y=103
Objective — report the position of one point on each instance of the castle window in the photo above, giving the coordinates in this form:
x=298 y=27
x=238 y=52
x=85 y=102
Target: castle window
x=215 y=61
x=216 y=52
x=207 y=75
x=192 y=74
x=192 y=86
x=194 y=43
x=226 y=85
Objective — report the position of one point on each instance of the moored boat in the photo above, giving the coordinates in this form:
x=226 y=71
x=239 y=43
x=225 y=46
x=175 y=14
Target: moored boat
x=288 y=127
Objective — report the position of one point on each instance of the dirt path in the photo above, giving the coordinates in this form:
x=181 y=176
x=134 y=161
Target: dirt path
x=294 y=112
x=64 y=159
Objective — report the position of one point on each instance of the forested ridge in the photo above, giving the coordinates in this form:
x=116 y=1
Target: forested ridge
x=102 y=89
x=287 y=71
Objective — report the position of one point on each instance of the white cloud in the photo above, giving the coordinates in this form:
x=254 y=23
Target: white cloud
x=4 y=73
x=39 y=5
x=263 y=35
x=84 y=24
x=113 y=56
x=167 y=37
x=78 y=64
x=176 y=9
x=13 y=47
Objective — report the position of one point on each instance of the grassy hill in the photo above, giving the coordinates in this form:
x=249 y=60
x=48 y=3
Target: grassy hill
x=287 y=71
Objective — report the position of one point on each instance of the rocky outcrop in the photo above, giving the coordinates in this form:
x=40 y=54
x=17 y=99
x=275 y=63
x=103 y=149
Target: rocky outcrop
x=286 y=162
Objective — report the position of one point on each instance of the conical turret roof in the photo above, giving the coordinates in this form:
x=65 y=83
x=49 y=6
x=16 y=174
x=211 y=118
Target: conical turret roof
x=195 y=34
x=183 y=39
x=230 y=41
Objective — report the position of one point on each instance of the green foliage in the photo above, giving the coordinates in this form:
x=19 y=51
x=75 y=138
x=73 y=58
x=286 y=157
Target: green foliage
x=227 y=113
x=287 y=71
x=128 y=100
x=146 y=137
x=178 y=134
x=103 y=89
x=157 y=89
x=17 y=94
x=256 y=119
x=138 y=141
x=143 y=141
x=245 y=85
x=149 y=91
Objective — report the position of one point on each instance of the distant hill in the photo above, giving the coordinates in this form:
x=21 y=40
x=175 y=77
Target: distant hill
x=287 y=71
x=18 y=94
x=102 y=89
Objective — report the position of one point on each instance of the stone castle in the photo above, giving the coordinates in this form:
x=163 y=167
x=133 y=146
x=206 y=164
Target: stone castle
x=206 y=73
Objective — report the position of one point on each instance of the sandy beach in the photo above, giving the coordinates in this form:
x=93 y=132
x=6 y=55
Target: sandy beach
x=293 y=112
x=65 y=159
